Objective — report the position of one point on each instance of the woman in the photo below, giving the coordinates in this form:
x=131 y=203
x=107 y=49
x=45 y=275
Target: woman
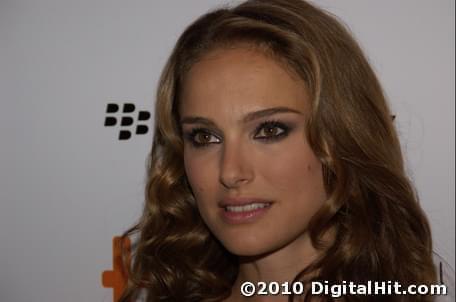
x=274 y=158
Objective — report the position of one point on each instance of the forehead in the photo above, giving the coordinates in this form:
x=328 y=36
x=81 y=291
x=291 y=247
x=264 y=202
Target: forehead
x=238 y=80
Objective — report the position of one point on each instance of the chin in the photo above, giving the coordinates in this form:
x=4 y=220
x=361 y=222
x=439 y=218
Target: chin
x=243 y=250
x=241 y=246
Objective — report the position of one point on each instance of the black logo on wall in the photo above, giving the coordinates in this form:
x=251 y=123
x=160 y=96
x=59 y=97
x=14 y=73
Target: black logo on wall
x=127 y=119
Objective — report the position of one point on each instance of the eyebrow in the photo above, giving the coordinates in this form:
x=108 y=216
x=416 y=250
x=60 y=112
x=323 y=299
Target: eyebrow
x=247 y=118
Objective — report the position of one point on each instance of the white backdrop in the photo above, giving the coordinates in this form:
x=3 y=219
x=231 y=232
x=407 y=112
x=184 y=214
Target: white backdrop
x=68 y=185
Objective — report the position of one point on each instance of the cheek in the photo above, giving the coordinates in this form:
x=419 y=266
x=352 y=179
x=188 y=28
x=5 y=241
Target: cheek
x=296 y=177
x=200 y=175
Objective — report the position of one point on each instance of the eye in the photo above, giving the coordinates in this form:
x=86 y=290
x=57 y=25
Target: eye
x=271 y=130
x=200 y=137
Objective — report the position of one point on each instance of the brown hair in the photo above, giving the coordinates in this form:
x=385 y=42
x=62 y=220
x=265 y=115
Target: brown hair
x=381 y=231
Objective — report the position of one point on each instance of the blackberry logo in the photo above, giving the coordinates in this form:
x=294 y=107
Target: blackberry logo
x=127 y=119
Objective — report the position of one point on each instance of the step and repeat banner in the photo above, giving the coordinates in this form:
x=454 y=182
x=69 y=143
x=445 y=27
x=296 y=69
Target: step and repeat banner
x=77 y=86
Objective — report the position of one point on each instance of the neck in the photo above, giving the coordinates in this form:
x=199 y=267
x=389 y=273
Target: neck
x=281 y=265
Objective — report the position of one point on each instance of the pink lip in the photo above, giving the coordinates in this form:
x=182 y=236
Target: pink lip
x=241 y=201
x=232 y=217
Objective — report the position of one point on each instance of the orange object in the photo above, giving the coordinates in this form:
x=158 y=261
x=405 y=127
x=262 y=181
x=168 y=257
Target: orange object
x=117 y=278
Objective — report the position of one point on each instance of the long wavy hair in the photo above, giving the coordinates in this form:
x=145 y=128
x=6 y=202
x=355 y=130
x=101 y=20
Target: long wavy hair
x=381 y=231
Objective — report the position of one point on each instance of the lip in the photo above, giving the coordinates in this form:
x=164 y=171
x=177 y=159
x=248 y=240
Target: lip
x=239 y=201
x=248 y=216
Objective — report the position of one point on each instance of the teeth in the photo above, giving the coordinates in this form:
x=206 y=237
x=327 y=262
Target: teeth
x=247 y=207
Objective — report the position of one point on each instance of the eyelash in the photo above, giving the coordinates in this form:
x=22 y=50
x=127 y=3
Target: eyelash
x=266 y=124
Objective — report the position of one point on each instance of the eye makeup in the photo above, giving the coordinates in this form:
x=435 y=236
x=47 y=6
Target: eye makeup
x=201 y=137
x=270 y=136
x=268 y=131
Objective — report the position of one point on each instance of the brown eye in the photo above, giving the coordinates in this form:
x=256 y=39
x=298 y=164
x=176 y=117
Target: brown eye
x=200 y=137
x=271 y=130
x=203 y=138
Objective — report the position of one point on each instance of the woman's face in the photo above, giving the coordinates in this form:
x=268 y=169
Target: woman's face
x=255 y=178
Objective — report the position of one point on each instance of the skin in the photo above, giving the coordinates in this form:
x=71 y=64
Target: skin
x=236 y=160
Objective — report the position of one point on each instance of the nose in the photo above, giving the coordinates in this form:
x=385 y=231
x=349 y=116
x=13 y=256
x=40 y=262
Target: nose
x=235 y=166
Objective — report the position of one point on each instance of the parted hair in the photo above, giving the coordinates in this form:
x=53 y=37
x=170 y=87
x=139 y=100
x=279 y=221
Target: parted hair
x=381 y=232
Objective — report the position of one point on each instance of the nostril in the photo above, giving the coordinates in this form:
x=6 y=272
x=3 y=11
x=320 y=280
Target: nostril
x=235 y=166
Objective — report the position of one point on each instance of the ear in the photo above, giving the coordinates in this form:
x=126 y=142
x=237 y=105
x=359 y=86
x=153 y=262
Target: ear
x=327 y=164
x=188 y=189
x=326 y=158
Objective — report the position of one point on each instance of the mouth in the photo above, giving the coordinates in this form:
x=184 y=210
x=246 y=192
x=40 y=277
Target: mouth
x=243 y=210
x=248 y=207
